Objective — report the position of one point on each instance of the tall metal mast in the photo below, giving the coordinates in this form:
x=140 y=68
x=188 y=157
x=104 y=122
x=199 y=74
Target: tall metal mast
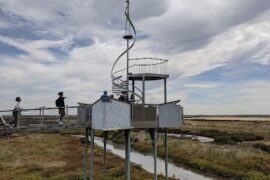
x=128 y=36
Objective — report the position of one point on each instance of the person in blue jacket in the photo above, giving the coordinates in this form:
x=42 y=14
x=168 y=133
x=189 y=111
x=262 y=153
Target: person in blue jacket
x=105 y=97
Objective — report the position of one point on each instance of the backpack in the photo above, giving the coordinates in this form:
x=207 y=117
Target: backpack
x=57 y=103
x=15 y=112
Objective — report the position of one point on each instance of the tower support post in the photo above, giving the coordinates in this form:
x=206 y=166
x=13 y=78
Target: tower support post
x=153 y=135
x=127 y=154
x=92 y=154
x=104 y=153
x=165 y=134
x=85 y=154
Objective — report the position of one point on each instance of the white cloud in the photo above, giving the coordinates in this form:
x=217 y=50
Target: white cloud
x=192 y=85
x=36 y=50
x=195 y=36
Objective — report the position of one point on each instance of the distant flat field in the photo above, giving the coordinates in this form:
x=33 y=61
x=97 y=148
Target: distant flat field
x=229 y=118
x=235 y=124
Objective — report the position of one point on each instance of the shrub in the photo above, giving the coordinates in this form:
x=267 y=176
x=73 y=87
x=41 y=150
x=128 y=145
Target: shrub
x=262 y=147
x=254 y=175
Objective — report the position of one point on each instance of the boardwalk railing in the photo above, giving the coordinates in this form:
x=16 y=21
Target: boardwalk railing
x=48 y=116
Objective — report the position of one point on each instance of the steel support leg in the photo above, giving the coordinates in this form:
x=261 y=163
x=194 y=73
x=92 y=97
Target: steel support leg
x=85 y=154
x=127 y=155
x=104 y=153
x=92 y=155
x=133 y=86
x=165 y=133
x=153 y=134
x=166 y=154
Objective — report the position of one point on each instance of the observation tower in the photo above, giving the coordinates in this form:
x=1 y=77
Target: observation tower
x=134 y=112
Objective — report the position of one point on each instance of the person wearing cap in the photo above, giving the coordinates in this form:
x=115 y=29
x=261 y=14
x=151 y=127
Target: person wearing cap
x=105 y=97
x=60 y=103
x=16 y=112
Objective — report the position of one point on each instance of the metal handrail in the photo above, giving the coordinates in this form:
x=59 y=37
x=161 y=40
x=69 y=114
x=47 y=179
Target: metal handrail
x=45 y=108
x=43 y=117
x=132 y=59
x=163 y=61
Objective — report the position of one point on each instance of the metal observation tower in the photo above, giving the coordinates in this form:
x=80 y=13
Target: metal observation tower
x=133 y=113
x=136 y=113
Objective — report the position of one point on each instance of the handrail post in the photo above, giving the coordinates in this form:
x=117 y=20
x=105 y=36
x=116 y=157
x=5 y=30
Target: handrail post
x=40 y=109
x=67 y=114
x=42 y=119
x=67 y=110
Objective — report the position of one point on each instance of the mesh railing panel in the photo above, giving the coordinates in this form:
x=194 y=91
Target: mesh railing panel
x=170 y=116
x=111 y=115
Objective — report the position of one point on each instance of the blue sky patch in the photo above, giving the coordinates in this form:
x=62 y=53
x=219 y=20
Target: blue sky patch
x=6 y=49
x=235 y=73
x=82 y=42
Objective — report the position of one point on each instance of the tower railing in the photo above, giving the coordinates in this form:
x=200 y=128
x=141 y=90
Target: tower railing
x=146 y=65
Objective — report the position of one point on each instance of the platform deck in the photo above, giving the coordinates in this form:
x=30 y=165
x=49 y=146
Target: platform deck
x=147 y=76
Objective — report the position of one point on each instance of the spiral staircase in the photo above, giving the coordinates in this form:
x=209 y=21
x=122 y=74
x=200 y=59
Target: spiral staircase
x=142 y=69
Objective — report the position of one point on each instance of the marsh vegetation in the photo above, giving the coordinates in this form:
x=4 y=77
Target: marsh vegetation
x=57 y=157
x=240 y=149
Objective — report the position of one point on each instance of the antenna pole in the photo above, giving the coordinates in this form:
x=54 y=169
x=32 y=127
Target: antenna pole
x=128 y=33
x=128 y=36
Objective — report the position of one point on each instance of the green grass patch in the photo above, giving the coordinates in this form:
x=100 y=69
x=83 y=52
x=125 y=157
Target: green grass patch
x=221 y=137
x=262 y=147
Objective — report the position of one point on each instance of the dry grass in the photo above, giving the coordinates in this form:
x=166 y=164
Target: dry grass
x=261 y=128
x=221 y=160
x=54 y=156
x=230 y=118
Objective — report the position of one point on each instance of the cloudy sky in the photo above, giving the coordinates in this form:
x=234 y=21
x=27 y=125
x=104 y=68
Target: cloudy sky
x=218 y=51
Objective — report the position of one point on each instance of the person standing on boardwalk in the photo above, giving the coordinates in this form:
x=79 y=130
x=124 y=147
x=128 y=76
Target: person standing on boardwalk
x=60 y=103
x=16 y=111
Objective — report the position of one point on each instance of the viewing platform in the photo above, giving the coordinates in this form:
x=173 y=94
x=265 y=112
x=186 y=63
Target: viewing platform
x=117 y=115
x=147 y=69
